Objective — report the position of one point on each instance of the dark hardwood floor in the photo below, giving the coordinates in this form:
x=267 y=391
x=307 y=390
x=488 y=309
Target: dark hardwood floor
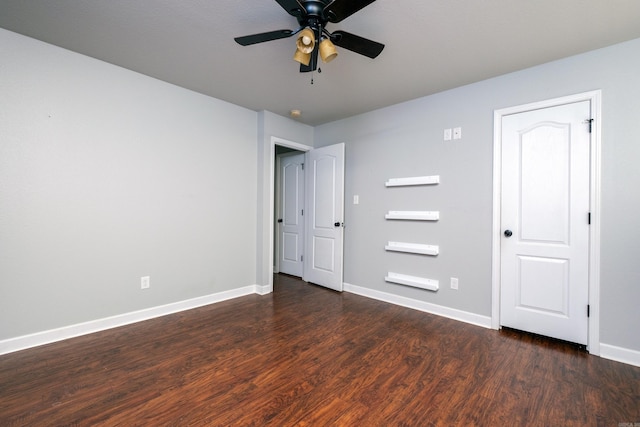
x=308 y=356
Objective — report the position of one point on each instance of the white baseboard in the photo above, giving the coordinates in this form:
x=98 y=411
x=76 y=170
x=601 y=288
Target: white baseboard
x=263 y=290
x=607 y=351
x=451 y=313
x=46 y=337
x=620 y=354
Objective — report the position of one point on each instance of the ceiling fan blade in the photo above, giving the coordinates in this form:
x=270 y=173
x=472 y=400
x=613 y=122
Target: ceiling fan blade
x=338 y=10
x=356 y=44
x=293 y=7
x=313 y=64
x=263 y=37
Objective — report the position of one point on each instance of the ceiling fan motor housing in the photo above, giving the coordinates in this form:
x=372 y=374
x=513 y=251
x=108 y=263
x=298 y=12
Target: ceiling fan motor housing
x=313 y=15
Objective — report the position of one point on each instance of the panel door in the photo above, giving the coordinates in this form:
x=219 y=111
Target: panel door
x=324 y=220
x=545 y=208
x=291 y=219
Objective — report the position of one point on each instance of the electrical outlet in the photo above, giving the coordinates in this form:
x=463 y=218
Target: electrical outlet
x=457 y=133
x=454 y=283
x=145 y=282
x=447 y=134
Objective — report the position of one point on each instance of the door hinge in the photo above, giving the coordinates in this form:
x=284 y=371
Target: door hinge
x=302 y=166
x=588 y=310
x=301 y=257
x=589 y=122
x=302 y=212
x=589 y=218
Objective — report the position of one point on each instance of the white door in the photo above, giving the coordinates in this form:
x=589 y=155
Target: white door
x=291 y=219
x=325 y=211
x=545 y=221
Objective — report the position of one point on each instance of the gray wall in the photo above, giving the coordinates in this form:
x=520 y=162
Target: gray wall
x=106 y=176
x=406 y=140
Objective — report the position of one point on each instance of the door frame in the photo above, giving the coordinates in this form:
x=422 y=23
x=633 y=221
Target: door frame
x=594 y=97
x=274 y=140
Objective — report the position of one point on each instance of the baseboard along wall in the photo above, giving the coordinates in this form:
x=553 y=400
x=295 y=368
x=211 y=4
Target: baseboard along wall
x=46 y=337
x=607 y=351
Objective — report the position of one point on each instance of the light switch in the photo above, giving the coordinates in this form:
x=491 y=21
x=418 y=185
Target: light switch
x=457 y=133
x=356 y=199
x=447 y=134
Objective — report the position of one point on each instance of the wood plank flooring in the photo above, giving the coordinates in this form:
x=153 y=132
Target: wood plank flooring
x=308 y=356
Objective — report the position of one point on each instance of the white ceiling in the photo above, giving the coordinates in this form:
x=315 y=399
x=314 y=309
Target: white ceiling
x=431 y=45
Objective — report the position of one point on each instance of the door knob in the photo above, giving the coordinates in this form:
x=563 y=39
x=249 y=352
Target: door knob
x=279 y=220
x=508 y=233
x=337 y=224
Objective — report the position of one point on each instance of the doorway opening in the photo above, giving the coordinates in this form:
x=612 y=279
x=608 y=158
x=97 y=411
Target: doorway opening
x=277 y=147
x=289 y=229
x=323 y=219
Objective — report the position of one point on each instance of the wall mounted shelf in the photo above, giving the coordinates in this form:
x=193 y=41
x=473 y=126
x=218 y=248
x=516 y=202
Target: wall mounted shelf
x=414 y=215
x=415 y=180
x=413 y=281
x=414 y=248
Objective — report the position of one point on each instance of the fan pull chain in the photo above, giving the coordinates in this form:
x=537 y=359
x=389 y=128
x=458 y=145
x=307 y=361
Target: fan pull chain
x=319 y=71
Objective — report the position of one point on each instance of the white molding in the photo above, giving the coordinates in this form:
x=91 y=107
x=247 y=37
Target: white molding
x=606 y=351
x=53 y=335
x=414 y=248
x=414 y=180
x=620 y=354
x=594 y=97
x=594 y=237
x=270 y=214
x=439 y=310
x=263 y=290
x=414 y=215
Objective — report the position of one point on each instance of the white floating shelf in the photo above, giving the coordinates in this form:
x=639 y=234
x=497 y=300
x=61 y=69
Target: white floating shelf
x=414 y=248
x=414 y=180
x=416 y=282
x=414 y=215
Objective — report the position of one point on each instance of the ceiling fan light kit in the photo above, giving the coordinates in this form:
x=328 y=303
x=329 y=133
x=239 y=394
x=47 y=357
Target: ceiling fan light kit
x=328 y=51
x=302 y=58
x=306 y=41
x=313 y=16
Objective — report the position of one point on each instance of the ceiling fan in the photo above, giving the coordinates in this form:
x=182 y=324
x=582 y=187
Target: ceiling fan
x=313 y=37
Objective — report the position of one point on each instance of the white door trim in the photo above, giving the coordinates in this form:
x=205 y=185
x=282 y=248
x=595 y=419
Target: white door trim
x=594 y=189
x=271 y=211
